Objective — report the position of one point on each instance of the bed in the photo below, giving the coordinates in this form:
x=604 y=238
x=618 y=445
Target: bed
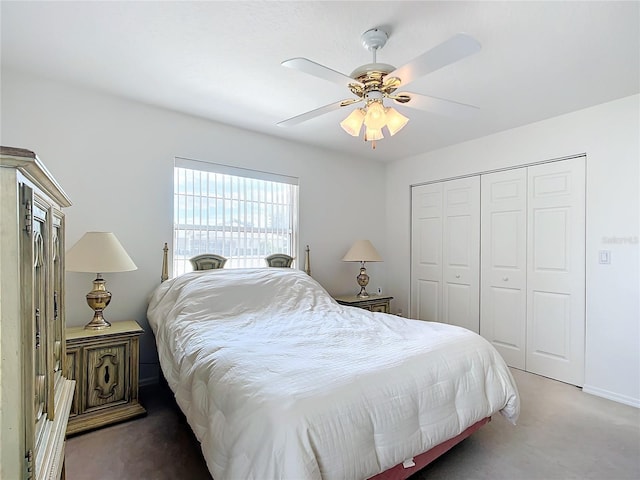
x=279 y=381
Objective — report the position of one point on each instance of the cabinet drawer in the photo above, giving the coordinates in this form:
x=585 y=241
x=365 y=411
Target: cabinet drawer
x=373 y=303
x=107 y=375
x=380 y=307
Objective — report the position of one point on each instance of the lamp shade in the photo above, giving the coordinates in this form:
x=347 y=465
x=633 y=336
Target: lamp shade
x=362 y=251
x=98 y=252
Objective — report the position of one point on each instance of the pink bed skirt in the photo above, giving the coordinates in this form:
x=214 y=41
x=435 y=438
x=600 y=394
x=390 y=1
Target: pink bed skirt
x=399 y=472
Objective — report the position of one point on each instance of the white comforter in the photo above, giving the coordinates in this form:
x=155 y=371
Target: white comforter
x=278 y=381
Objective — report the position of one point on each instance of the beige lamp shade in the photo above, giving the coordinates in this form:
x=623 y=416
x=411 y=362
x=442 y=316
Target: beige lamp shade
x=362 y=251
x=98 y=252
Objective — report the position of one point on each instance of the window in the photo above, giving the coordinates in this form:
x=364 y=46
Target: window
x=243 y=215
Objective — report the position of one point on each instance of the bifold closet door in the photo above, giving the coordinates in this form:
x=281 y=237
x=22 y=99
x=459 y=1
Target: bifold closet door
x=556 y=270
x=445 y=252
x=426 y=252
x=461 y=253
x=503 y=284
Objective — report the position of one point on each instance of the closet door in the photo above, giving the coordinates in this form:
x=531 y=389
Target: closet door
x=504 y=263
x=556 y=270
x=461 y=253
x=426 y=252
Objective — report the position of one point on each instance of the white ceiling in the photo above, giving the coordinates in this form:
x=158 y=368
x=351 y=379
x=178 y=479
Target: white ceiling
x=221 y=60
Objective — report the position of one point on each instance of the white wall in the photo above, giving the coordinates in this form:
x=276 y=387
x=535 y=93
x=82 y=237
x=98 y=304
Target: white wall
x=609 y=135
x=114 y=158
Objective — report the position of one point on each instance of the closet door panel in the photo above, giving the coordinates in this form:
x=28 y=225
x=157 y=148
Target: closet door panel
x=504 y=263
x=461 y=252
x=426 y=252
x=556 y=270
x=429 y=299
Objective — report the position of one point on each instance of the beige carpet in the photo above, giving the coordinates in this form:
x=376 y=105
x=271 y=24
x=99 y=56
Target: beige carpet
x=562 y=433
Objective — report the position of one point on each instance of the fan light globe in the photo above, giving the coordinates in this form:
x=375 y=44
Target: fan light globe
x=375 y=117
x=353 y=123
x=395 y=120
x=373 y=134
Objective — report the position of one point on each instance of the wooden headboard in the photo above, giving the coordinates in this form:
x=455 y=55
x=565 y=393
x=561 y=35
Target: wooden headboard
x=209 y=261
x=279 y=260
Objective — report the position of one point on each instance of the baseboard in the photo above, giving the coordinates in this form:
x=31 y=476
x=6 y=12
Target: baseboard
x=616 y=397
x=144 y=382
x=149 y=374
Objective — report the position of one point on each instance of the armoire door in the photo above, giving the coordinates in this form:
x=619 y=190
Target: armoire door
x=503 y=286
x=556 y=270
x=445 y=252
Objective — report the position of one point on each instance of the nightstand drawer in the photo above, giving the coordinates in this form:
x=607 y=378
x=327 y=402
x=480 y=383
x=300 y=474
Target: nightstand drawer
x=380 y=307
x=104 y=364
x=107 y=375
x=374 y=303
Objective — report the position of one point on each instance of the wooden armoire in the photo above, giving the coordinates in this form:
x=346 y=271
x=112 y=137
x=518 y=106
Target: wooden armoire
x=35 y=395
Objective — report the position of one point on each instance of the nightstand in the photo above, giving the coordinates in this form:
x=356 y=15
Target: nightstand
x=375 y=303
x=104 y=364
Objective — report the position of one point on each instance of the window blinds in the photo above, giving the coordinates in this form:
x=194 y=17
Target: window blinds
x=243 y=215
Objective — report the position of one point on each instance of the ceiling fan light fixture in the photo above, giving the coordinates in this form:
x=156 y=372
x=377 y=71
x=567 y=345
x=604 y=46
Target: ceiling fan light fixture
x=373 y=134
x=395 y=120
x=373 y=82
x=376 y=116
x=353 y=123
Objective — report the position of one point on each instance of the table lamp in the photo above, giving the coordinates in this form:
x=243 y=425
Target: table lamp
x=98 y=252
x=362 y=251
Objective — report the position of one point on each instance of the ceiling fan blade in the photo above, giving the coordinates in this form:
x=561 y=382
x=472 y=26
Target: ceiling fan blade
x=435 y=104
x=312 y=68
x=312 y=114
x=456 y=48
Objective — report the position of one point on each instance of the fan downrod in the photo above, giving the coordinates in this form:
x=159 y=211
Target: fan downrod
x=374 y=72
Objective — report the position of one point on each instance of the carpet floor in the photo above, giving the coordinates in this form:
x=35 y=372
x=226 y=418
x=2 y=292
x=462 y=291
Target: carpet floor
x=562 y=433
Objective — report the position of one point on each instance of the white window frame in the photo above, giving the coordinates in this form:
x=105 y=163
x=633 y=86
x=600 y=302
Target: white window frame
x=199 y=229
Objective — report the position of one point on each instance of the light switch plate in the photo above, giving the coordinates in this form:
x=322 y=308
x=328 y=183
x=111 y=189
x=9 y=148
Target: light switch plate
x=604 y=257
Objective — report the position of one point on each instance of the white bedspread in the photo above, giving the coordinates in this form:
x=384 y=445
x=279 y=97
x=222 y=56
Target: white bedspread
x=278 y=381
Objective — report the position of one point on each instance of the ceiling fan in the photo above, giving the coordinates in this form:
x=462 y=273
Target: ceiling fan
x=373 y=82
